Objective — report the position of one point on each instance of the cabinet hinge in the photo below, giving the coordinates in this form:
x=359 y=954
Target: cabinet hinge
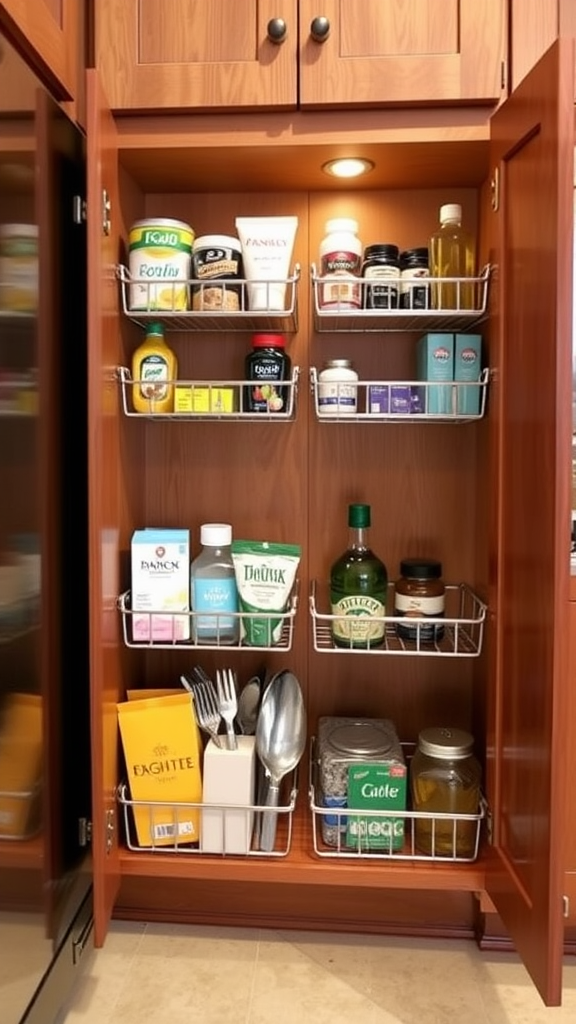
x=106 y=209
x=504 y=75
x=84 y=831
x=78 y=209
x=565 y=906
x=109 y=829
x=495 y=190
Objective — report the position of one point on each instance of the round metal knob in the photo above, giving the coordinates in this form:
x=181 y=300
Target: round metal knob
x=277 y=30
x=320 y=29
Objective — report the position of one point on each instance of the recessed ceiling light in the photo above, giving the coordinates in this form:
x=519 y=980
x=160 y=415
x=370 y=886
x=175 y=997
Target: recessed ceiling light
x=348 y=167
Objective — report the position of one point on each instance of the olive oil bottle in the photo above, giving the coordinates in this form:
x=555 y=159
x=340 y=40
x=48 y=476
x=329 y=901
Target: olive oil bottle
x=358 y=588
x=452 y=255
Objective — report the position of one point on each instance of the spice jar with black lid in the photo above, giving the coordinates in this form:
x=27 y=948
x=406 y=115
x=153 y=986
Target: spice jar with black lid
x=414 y=288
x=419 y=593
x=381 y=265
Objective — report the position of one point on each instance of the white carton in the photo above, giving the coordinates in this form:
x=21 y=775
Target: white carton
x=160 y=583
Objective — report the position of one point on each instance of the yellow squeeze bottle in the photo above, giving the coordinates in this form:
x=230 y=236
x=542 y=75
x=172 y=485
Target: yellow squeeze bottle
x=154 y=368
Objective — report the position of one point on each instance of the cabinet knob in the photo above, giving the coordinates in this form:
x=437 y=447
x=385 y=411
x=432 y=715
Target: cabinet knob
x=277 y=30
x=320 y=29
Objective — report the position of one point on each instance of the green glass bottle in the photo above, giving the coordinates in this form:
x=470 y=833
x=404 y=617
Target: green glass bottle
x=358 y=587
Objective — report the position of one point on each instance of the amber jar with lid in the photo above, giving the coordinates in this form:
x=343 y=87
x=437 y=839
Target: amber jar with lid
x=419 y=593
x=445 y=778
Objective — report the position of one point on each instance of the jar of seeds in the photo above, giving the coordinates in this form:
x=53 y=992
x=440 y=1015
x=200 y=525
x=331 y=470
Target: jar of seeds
x=361 y=766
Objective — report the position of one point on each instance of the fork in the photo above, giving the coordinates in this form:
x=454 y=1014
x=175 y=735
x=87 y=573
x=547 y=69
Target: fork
x=227 y=704
x=206 y=705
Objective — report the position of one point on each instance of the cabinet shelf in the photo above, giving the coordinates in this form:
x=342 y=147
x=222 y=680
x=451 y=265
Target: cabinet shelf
x=343 y=320
x=215 y=396
x=211 y=319
x=179 y=812
x=418 y=393
x=463 y=628
x=171 y=624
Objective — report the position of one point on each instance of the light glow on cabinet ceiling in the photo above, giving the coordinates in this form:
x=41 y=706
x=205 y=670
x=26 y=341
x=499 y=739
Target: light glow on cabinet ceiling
x=348 y=167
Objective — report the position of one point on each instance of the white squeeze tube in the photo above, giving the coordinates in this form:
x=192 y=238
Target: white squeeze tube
x=267 y=245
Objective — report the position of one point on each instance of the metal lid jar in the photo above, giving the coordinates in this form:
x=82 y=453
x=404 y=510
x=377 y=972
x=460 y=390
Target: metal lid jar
x=381 y=264
x=445 y=779
x=414 y=291
x=337 y=388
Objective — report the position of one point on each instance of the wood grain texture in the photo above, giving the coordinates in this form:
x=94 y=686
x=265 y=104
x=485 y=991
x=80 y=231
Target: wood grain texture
x=46 y=32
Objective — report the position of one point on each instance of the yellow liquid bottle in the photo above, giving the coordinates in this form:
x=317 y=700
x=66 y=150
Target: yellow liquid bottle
x=154 y=368
x=452 y=254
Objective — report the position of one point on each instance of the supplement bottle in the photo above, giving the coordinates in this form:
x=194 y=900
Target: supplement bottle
x=358 y=588
x=213 y=592
x=340 y=266
x=267 y=365
x=419 y=594
x=452 y=255
x=445 y=779
x=154 y=369
x=382 y=266
x=337 y=388
x=414 y=287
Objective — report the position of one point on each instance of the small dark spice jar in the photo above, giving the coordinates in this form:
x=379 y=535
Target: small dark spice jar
x=419 y=594
x=414 y=287
x=381 y=267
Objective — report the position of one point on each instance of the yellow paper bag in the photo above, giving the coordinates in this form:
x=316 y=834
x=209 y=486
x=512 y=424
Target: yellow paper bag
x=162 y=750
x=20 y=763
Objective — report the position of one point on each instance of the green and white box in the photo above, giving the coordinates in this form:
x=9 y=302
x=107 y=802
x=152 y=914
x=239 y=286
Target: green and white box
x=468 y=367
x=376 y=787
x=435 y=362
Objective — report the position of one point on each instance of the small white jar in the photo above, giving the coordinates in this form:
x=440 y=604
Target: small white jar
x=340 y=266
x=337 y=389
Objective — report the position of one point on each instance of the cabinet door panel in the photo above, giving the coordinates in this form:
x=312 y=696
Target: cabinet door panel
x=182 y=54
x=425 y=52
x=106 y=499
x=532 y=149
x=47 y=31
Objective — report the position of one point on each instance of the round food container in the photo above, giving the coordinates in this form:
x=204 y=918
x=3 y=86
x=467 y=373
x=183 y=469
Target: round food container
x=160 y=264
x=216 y=260
x=445 y=779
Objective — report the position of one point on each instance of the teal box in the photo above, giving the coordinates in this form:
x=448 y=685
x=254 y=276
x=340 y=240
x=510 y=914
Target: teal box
x=435 y=362
x=468 y=367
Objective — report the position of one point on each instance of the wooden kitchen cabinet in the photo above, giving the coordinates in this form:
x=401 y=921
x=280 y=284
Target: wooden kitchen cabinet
x=175 y=55
x=465 y=494
x=50 y=34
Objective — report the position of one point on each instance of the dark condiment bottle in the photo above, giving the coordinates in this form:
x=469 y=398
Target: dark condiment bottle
x=358 y=587
x=419 y=594
x=414 y=293
x=267 y=365
x=381 y=265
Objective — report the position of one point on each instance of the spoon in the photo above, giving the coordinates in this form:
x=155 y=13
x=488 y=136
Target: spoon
x=280 y=742
x=248 y=706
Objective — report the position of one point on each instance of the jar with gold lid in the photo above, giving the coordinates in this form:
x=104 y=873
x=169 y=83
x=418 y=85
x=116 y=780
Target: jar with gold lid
x=445 y=778
x=419 y=594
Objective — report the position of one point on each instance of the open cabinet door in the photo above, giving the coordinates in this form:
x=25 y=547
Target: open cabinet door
x=532 y=160
x=105 y=495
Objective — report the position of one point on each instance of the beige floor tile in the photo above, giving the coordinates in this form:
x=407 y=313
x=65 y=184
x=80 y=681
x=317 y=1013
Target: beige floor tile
x=100 y=984
x=510 y=996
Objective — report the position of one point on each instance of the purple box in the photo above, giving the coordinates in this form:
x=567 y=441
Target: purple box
x=390 y=399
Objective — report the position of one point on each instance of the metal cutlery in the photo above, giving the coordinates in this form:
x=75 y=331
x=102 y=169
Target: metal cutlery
x=227 y=704
x=205 y=702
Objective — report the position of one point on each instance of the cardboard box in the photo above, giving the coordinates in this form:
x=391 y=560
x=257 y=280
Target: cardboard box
x=204 y=398
x=160 y=583
x=390 y=398
x=435 y=362
x=468 y=367
x=162 y=750
x=376 y=787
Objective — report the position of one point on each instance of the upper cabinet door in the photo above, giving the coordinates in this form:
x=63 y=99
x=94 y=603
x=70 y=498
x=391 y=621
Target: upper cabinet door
x=48 y=31
x=189 y=54
x=419 y=52
x=531 y=415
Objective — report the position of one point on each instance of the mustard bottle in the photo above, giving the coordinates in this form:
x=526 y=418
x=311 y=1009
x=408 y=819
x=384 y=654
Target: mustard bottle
x=154 y=369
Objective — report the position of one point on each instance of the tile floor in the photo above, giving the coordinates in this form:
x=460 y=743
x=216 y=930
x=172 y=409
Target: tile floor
x=178 y=974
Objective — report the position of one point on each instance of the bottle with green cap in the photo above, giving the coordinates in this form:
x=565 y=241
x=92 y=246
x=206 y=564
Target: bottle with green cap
x=154 y=369
x=358 y=588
